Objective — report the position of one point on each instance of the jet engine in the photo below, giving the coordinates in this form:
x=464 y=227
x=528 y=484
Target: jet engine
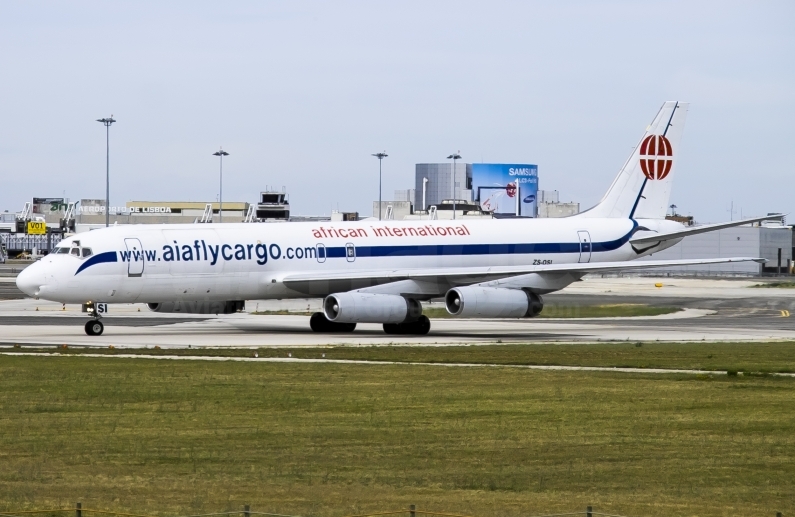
x=356 y=307
x=490 y=302
x=198 y=307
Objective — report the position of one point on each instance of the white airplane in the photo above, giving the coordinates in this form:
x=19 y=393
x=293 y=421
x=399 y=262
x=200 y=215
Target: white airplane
x=379 y=271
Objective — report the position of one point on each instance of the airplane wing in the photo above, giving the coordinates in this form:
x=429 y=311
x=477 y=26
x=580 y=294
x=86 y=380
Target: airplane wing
x=643 y=237
x=318 y=283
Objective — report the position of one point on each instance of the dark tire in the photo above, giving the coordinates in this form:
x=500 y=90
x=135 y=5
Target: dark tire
x=422 y=326
x=94 y=328
x=345 y=327
x=392 y=328
x=319 y=323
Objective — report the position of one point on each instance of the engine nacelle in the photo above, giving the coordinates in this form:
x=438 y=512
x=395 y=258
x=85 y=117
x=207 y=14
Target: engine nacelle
x=356 y=307
x=490 y=302
x=198 y=307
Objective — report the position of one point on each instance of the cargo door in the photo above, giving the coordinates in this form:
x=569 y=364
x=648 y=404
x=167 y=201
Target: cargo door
x=585 y=246
x=196 y=268
x=134 y=257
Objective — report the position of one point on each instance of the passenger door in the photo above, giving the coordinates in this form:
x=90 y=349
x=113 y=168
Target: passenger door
x=585 y=246
x=135 y=257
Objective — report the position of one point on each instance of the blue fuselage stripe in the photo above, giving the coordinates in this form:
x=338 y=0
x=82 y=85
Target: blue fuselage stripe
x=108 y=256
x=439 y=250
x=476 y=249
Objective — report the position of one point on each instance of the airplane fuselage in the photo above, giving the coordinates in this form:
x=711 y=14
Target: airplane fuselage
x=170 y=263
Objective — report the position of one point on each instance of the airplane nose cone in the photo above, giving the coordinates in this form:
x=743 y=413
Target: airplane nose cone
x=30 y=280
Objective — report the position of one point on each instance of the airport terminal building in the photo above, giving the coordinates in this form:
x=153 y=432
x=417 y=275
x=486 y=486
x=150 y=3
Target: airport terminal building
x=482 y=191
x=90 y=213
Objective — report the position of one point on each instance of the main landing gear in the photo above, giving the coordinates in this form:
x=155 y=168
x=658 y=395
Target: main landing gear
x=319 y=323
x=93 y=327
x=419 y=327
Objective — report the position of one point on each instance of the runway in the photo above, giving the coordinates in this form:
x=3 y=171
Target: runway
x=715 y=310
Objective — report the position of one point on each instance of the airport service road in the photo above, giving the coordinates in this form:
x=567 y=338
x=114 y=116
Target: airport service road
x=716 y=310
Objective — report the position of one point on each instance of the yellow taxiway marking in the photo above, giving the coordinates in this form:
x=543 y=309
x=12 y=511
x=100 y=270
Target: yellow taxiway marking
x=785 y=313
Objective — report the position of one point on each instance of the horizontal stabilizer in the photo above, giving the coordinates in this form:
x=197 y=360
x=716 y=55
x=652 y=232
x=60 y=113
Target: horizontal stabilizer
x=643 y=237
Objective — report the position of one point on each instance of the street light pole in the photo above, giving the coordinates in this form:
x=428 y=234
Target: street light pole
x=455 y=156
x=380 y=157
x=107 y=122
x=220 y=154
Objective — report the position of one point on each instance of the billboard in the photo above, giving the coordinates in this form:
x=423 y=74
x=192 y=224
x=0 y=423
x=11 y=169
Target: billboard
x=47 y=205
x=498 y=187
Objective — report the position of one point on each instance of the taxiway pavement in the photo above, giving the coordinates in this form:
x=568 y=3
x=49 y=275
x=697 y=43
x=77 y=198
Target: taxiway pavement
x=715 y=310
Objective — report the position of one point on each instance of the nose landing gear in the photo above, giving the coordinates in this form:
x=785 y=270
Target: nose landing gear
x=94 y=327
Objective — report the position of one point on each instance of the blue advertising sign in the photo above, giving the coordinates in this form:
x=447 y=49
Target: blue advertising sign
x=496 y=187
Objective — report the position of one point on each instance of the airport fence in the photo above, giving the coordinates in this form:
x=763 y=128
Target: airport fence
x=18 y=243
x=412 y=511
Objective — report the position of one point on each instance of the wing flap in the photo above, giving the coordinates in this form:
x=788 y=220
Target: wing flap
x=482 y=274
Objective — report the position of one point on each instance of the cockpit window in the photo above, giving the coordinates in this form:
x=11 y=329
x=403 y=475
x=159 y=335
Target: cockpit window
x=87 y=252
x=62 y=251
x=75 y=252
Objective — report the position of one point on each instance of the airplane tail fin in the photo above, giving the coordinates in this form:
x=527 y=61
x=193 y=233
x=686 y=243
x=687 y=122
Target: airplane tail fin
x=642 y=188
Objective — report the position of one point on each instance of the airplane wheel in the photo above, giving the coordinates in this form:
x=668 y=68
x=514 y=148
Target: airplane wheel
x=345 y=327
x=94 y=328
x=422 y=326
x=392 y=328
x=319 y=323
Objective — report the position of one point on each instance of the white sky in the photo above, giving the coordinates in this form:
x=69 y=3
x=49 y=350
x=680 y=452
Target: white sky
x=302 y=93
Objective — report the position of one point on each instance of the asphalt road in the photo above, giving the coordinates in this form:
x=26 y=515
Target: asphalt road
x=8 y=286
x=693 y=302
x=81 y=320
x=716 y=310
x=749 y=312
x=9 y=291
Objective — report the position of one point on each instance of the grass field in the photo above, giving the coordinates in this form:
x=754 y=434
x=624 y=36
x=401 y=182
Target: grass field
x=329 y=440
x=783 y=285
x=550 y=311
x=771 y=357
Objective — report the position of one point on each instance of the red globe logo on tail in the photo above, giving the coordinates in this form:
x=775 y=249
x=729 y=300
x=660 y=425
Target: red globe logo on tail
x=655 y=157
